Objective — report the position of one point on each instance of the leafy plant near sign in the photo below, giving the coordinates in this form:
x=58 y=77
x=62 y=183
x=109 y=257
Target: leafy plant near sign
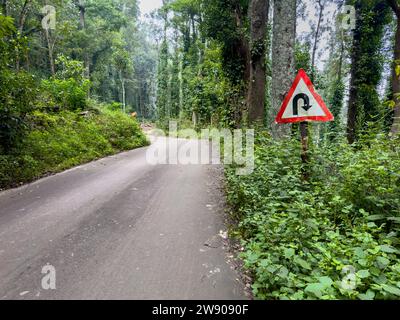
x=300 y=238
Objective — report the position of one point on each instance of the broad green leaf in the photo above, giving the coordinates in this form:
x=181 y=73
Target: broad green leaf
x=303 y=263
x=363 y=274
x=388 y=249
x=376 y=217
x=315 y=288
x=289 y=252
x=359 y=252
x=369 y=295
x=394 y=219
x=362 y=262
x=383 y=261
x=283 y=272
x=391 y=289
x=326 y=281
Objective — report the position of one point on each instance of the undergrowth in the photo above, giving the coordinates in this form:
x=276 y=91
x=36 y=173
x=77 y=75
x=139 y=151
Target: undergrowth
x=58 y=141
x=334 y=236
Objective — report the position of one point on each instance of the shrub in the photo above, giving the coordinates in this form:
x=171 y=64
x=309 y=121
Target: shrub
x=68 y=89
x=68 y=94
x=60 y=141
x=332 y=237
x=17 y=99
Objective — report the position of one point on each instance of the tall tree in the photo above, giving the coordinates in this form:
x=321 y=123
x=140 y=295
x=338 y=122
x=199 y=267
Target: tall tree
x=366 y=65
x=21 y=25
x=226 y=21
x=394 y=4
x=163 y=90
x=283 y=57
x=256 y=93
x=320 y=7
x=4 y=7
x=336 y=69
x=81 y=5
x=51 y=42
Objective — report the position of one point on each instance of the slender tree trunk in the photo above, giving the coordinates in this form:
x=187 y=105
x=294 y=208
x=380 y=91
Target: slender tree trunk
x=241 y=51
x=4 y=6
x=395 y=77
x=283 y=59
x=256 y=93
x=23 y=15
x=142 y=93
x=121 y=78
x=180 y=77
x=316 y=39
x=21 y=24
x=241 y=48
x=50 y=49
x=82 y=10
x=353 y=107
x=82 y=25
x=341 y=57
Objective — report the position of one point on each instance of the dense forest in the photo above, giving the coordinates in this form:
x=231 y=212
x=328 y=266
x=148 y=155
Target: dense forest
x=324 y=228
x=327 y=227
x=67 y=72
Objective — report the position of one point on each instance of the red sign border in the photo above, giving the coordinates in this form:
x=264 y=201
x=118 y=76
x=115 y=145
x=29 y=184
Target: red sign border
x=303 y=75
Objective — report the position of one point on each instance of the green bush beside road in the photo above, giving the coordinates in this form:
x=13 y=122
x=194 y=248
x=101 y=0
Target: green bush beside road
x=334 y=236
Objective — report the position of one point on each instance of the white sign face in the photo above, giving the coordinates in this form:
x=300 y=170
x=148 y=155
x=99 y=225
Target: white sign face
x=298 y=105
x=302 y=103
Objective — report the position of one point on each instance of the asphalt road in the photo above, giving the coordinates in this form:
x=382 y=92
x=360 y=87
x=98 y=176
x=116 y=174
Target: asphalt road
x=118 y=228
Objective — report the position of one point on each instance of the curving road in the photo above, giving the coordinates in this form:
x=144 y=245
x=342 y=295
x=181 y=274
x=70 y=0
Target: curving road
x=118 y=228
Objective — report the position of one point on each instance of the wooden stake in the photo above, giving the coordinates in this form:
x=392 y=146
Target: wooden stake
x=304 y=145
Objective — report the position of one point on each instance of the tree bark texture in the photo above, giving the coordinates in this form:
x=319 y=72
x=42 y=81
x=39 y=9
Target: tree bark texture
x=283 y=59
x=256 y=92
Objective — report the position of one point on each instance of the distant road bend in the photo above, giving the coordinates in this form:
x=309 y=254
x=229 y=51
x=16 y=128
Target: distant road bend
x=118 y=228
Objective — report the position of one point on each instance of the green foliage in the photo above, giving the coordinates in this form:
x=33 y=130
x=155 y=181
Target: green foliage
x=60 y=141
x=368 y=61
x=301 y=237
x=114 y=106
x=227 y=23
x=303 y=57
x=207 y=90
x=17 y=95
x=336 y=100
x=68 y=90
x=41 y=128
x=66 y=94
x=17 y=91
x=163 y=102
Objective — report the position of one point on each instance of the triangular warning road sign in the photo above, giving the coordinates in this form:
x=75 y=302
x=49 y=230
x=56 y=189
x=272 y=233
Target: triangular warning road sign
x=302 y=103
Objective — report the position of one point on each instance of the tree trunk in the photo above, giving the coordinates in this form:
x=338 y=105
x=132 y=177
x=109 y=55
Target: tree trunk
x=82 y=25
x=82 y=10
x=121 y=78
x=23 y=15
x=21 y=24
x=341 y=57
x=395 y=77
x=283 y=59
x=317 y=31
x=256 y=93
x=242 y=47
x=4 y=6
x=352 y=109
x=180 y=77
x=50 y=49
